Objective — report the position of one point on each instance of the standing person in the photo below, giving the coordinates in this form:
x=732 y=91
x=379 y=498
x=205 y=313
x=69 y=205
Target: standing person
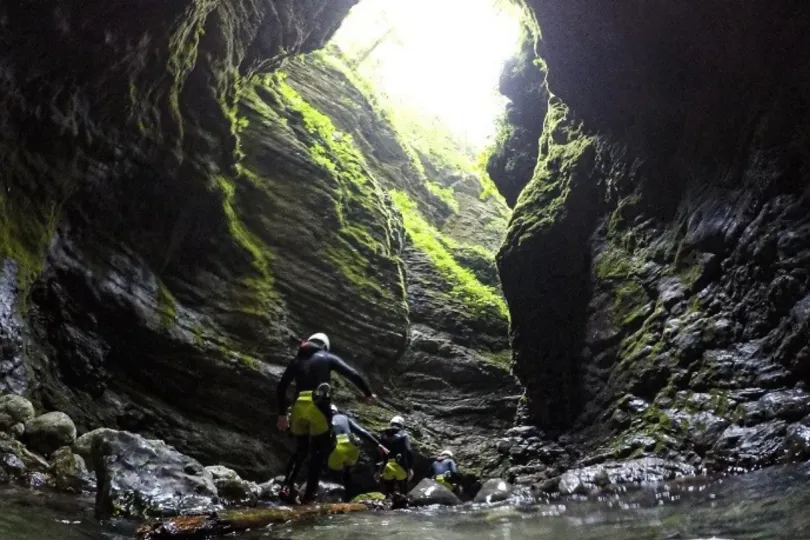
x=444 y=471
x=397 y=466
x=310 y=416
x=346 y=449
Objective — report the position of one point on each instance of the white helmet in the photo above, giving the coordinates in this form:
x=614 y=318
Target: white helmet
x=397 y=421
x=446 y=453
x=333 y=408
x=321 y=338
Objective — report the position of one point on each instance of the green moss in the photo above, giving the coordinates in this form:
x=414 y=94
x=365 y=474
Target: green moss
x=166 y=305
x=465 y=286
x=445 y=194
x=565 y=156
x=25 y=234
x=501 y=359
x=630 y=299
x=359 y=201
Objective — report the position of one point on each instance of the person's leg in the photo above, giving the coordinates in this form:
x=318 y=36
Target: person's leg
x=295 y=463
x=321 y=446
x=348 y=488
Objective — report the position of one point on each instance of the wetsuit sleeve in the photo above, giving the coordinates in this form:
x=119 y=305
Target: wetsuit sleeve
x=408 y=454
x=283 y=384
x=362 y=433
x=350 y=373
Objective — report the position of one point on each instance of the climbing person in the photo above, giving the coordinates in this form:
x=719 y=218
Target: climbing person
x=444 y=470
x=346 y=450
x=309 y=418
x=396 y=468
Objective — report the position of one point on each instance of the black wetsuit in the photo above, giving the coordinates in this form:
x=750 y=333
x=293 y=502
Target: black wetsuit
x=343 y=425
x=399 y=446
x=311 y=367
x=442 y=467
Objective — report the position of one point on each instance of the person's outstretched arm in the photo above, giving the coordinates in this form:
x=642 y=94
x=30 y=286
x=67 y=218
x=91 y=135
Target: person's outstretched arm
x=452 y=466
x=362 y=433
x=351 y=374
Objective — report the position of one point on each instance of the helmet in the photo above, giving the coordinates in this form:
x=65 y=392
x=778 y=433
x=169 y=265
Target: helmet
x=446 y=453
x=321 y=339
x=333 y=408
x=397 y=421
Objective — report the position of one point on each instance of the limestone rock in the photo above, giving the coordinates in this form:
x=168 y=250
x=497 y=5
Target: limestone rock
x=494 y=490
x=48 y=432
x=141 y=477
x=427 y=492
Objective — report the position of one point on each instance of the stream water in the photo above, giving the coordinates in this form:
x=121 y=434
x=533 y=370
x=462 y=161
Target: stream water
x=772 y=504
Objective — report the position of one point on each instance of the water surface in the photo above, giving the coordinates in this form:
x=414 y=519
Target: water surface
x=773 y=504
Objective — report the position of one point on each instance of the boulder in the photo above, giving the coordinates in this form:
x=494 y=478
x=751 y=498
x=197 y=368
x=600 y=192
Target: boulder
x=49 y=432
x=237 y=492
x=17 y=430
x=494 y=490
x=84 y=444
x=140 y=478
x=19 y=409
x=644 y=471
x=220 y=472
x=329 y=492
x=70 y=472
x=269 y=490
x=31 y=460
x=427 y=492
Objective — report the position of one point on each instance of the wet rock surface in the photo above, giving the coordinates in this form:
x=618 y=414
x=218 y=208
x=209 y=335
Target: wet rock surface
x=656 y=317
x=494 y=490
x=142 y=477
x=427 y=493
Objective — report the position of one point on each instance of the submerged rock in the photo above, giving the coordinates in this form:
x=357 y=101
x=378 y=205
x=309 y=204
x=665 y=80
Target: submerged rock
x=494 y=490
x=427 y=492
x=140 y=477
x=49 y=432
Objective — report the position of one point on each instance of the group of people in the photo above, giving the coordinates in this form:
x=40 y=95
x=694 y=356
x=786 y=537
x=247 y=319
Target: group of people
x=330 y=439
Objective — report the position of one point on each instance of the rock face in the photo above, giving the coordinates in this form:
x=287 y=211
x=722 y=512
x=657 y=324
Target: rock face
x=185 y=212
x=141 y=477
x=656 y=263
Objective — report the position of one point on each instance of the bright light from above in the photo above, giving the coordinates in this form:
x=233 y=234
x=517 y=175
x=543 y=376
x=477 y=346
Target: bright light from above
x=440 y=58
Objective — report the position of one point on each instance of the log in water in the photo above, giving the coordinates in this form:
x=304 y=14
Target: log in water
x=230 y=521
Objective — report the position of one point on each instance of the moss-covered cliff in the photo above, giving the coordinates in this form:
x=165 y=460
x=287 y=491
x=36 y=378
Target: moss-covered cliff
x=655 y=265
x=178 y=210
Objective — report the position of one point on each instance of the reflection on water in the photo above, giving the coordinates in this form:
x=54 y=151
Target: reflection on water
x=766 y=505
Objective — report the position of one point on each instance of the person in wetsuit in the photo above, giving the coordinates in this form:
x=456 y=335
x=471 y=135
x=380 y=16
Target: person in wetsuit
x=444 y=471
x=345 y=452
x=396 y=468
x=310 y=416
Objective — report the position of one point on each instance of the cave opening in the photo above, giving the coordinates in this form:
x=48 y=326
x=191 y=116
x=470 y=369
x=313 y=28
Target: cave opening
x=435 y=66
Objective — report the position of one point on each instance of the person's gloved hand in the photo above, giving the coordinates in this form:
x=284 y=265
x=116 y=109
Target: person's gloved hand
x=410 y=474
x=377 y=477
x=283 y=423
